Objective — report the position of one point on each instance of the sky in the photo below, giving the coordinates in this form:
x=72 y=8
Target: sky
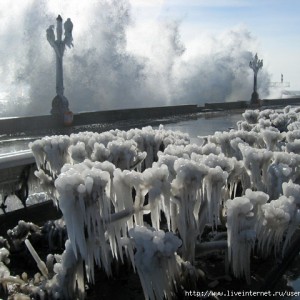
x=137 y=53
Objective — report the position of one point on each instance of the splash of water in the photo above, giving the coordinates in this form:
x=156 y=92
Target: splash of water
x=117 y=64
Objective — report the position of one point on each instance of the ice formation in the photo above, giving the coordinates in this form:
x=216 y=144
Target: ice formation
x=105 y=184
x=251 y=116
x=41 y=265
x=256 y=162
x=215 y=182
x=157 y=186
x=155 y=261
x=278 y=218
x=16 y=285
x=188 y=193
x=4 y=261
x=68 y=276
x=241 y=235
x=83 y=200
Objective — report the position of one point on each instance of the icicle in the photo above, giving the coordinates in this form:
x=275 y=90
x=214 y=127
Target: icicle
x=155 y=182
x=155 y=261
x=277 y=216
x=271 y=137
x=277 y=174
x=214 y=182
x=85 y=204
x=67 y=283
x=257 y=198
x=124 y=182
x=241 y=235
x=187 y=194
x=256 y=162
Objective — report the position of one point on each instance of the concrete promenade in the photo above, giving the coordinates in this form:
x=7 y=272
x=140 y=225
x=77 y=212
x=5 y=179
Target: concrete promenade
x=26 y=124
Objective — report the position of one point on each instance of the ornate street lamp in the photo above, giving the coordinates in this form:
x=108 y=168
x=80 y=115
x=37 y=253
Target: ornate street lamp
x=256 y=64
x=60 y=104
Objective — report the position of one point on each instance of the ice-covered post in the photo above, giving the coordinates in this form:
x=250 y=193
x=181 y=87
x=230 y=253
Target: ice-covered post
x=60 y=104
x=255 y=65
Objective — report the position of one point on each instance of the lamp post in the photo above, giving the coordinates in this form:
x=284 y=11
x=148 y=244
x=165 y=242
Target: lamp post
x=60 y=104
x=256 y=64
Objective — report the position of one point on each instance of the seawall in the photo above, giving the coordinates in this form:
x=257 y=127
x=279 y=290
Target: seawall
x=25 y=124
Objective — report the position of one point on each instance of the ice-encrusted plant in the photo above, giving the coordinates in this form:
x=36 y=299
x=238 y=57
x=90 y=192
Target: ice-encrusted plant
x=107 y=183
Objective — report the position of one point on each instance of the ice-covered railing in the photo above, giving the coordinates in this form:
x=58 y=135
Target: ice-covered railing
x=107 y=183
